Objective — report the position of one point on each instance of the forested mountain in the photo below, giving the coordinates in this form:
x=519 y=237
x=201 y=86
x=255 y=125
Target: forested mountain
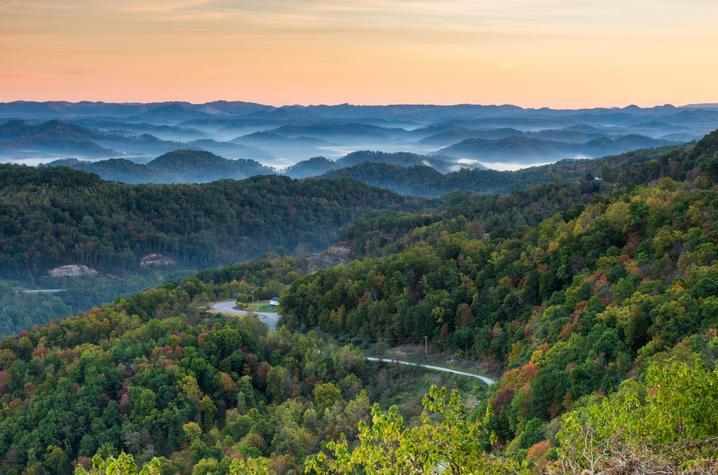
x=308 y=168
x=53 y=136
x=576 y=134
x=198 y=167
x=450 y=135
x=526 y=149
x=422 y=180
x=19 y=139
x=403 y=159
x=113 y=169
x=379 y=162
x=445 y=137
x=624 y=285
x=55 y=216
x=401 y=172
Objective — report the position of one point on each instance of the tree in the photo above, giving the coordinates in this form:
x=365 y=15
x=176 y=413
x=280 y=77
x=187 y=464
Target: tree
x=325 y=395
x=124 y=464
x=447 y=439
x=667 y=419
x=279 y=383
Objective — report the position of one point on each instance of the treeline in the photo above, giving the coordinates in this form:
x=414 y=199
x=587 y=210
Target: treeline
x=51 y=217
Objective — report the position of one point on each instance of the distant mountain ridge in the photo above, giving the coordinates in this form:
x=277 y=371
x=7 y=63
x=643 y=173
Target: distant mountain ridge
x=197 y=166
x=536 y=150
x=446 y=138
x=401 y=172
x=19 y=138
x=626 y=168
x=179 y=166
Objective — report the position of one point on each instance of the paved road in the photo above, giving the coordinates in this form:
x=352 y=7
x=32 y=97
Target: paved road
x=39 y=291
x=228 y=307
x=442 y=369
x=271 y=319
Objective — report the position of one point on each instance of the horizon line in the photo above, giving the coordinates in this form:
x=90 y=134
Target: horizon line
x=352 y=104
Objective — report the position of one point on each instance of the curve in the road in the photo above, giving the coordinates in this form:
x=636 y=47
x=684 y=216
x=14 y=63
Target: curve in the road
x=442 y=369
x=228 y=307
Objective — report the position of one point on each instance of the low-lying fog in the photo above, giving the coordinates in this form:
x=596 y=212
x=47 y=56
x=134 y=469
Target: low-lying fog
x=447 y=137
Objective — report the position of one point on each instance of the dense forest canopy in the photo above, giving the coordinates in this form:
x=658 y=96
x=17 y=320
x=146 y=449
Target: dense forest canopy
x=596 y=301
x=52 y=217
x=426 y=181
x=155 y=375
x=570 y=306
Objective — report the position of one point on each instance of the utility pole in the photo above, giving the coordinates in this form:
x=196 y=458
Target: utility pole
x=426 y=346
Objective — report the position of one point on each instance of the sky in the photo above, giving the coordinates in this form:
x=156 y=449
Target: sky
x=533 y=53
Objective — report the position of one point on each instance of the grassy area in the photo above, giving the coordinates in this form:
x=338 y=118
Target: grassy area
x=260 y=306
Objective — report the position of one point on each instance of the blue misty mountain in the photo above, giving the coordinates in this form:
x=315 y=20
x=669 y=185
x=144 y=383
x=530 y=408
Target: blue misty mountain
x=446 y=137
x=179 y=166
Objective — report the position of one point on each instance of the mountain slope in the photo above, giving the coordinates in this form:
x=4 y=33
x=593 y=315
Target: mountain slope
x=421 y=180
x=179 y=166
x=77 y=218
x=18 y=137
x=568 y=307
x=309 y=168
x=200 y=166
x=526 y=149
x=55 y=137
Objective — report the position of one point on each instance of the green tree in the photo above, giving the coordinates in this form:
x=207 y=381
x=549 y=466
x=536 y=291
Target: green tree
x=447 y=439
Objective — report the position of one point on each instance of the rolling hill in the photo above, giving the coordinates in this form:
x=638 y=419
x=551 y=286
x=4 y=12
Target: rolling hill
x=78 y=218
x=179 y=166
x=18 y=138
x=523 y=149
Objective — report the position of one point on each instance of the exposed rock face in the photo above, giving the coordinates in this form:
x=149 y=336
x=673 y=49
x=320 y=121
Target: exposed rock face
x=156 y=260
x=72 y=270
x=331 y=256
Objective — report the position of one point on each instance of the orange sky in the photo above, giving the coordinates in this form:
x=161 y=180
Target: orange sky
x=529 y=52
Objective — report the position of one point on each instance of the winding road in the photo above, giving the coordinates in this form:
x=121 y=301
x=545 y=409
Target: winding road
x=228 y=307
x=441 y=369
